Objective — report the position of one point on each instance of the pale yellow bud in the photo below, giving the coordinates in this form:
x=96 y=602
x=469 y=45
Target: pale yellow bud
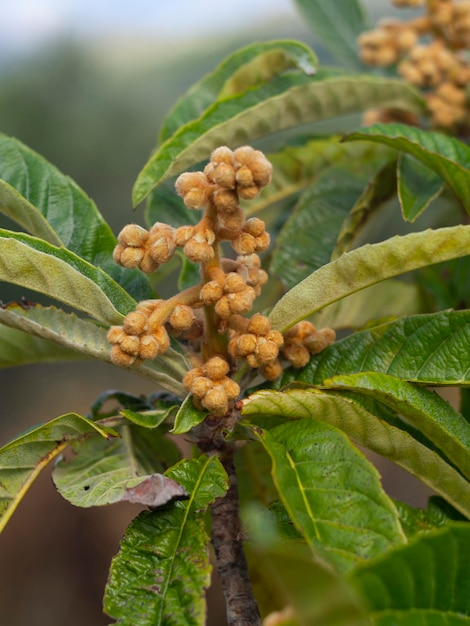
x=148 y=348
x=216 y=401
x=182 y=318
x=259 y=325
x=133 y=235
x=135 y=323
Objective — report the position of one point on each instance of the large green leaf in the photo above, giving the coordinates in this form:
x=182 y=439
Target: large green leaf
x=315 y=594
x=242 y=70
x=380 y=190
x=313 y=463
x=20 y=348
x=102 y=472
x=77 y=338
x=308 y=237
x=418 y=186
x=425 y=410
x=392 y=298
x=22 y=459
x=50 y=206
x=446 y=156
x=426 y=582
x=162 y=569
x=288 y=100
x=436 y=515
x=366 y=266
x=60 y=274
x=366 y=426
x=428 y=349
x=336 y=24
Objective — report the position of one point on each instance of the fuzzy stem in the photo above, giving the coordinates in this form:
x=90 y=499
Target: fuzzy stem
x=165 y=308
x=242 y=609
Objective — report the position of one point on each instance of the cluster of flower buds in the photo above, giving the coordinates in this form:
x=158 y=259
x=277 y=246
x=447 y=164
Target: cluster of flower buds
x=141 y=336
x=227 y=290
x=210 y=386
x=303 y=340
x=430 y=53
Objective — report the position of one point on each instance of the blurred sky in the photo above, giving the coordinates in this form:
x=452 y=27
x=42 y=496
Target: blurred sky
x=27 y=24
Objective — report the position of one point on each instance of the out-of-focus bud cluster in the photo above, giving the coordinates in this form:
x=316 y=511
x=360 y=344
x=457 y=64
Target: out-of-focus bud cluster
x=141 y=336
x=430 y=52
x=210 y=386
x=303 y=340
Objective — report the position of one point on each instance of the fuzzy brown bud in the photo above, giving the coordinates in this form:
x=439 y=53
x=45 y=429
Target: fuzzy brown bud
x=216 y=368
x=182 y=317
x=194 y=188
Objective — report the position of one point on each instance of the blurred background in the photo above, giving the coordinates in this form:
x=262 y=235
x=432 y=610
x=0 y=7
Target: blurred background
x=86 y=84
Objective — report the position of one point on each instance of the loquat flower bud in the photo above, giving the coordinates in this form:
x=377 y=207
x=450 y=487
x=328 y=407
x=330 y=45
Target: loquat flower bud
x=133 y=235
x=232 y=389
x=182 y=317
x=271 y=370
x=135 y=323
x=216 y=368
x=115 y=335
x=194 y=188
x=211 y=292
x=226 y=200
x=148 y=265
x=182 y=235
x=148 y=347
x=131 y=257
x=259 y=166
x=130 y=344
x=121 y=358
x=161 y=243
x=200 y=386
x=233 y=220
x=259 y=325
x=297 y=354
x=190 y=376
x=161 y=337
x=216 y=401
x=242 y=301
x=234 y=283
x=254 y=226
x=198 y=252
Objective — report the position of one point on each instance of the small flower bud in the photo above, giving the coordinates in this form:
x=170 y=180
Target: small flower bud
x=148 y=347
x=135 y=323
x=200 y=386
x=130 y=344
x=216 y=368
x=182 y=235
x=182 y=317
x=216 y=401
x=198 y=252
x=190 y=376
x=194 y=188
x=254 y=226
x=226 y=200
x=115 y=335
x=118 y=357
x=133 y=235
x=297 y=354
x=147 y=264
x=162 y=339
x=211 y=292
x=259 y=325
x=234 y=283
x=232 y=389
x=266 y=350
x=131 y=257
x=271 y=370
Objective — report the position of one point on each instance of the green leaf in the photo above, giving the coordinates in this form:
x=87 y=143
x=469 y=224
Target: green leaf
x=309 y=234
x=84 y=338
x=365 y=426
x=314 y=592
x=392 y=298
x=188 y=417
x=288 y=100
x=240 y=71
x=162 y=569
x=297 y=166
x=425 y=410
x=148 y=419
x=418 y=186
x=20 y=348
x=448 y=157
x=366 y=266
x=425 y=582
x=336 y=24
x=437 y=514
x=60 y=274
x=379 y=190
x=102 y=472
x=427 y=349
x=314 y=462
x=22 y=459
x=50 y=206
